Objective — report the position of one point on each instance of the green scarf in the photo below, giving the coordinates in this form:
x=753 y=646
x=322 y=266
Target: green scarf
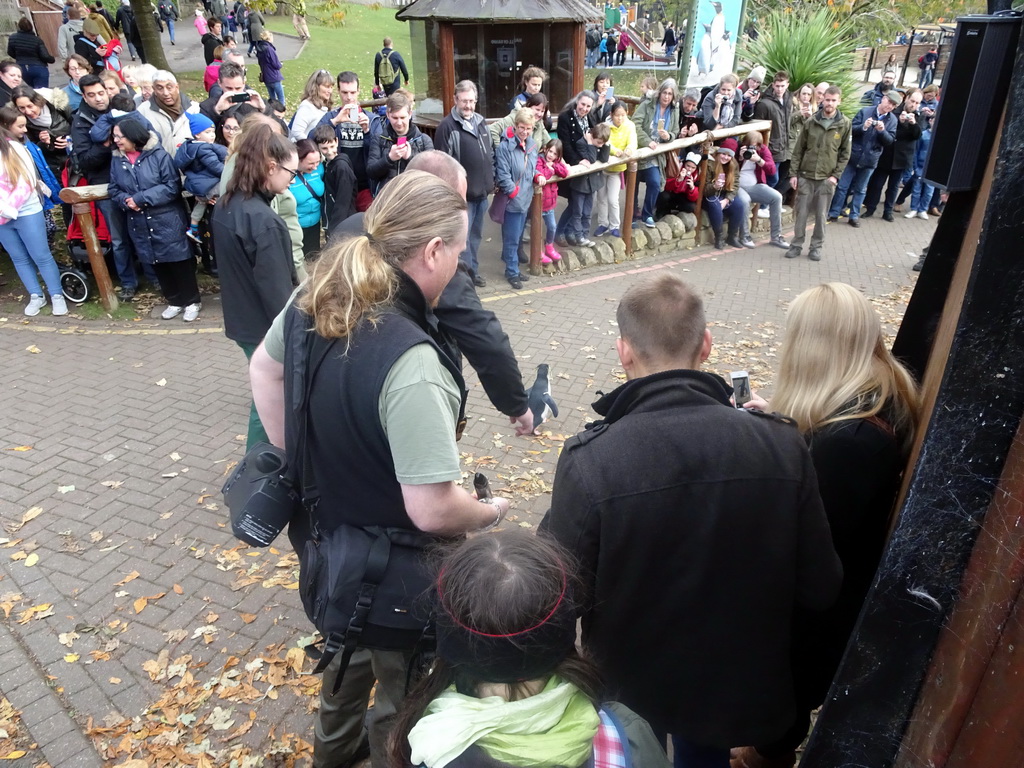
x=556 y=727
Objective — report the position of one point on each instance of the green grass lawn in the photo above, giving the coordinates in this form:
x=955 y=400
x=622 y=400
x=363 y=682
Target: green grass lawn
x=336 y=49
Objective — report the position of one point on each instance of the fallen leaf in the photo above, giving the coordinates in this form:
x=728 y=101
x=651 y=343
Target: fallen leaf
x=96 y=536
x=130 y=577
x=113 y=483
x=33 y=349
x=175 y=456
x=31 y=560
x=67 y=638
x=141 y=602
x=220 y=719
x=36 y=612
x=248 y=618
x=71 y=658
x=115 y=681
x=162 y=383
x=178 y=590
x=18 y=752
x=20 y=448
x=65 y=488
x=31 y=514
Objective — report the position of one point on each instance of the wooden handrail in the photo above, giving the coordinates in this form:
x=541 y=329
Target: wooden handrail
x=704 y=139
x=80 y=199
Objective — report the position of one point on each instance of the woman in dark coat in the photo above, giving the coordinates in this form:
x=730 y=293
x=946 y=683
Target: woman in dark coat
x=28 y=49
x=574 y=126
x=857 y=406
x=49 y=122
x=144 y=182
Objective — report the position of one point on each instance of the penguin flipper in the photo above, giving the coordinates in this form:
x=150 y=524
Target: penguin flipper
x=551 y=404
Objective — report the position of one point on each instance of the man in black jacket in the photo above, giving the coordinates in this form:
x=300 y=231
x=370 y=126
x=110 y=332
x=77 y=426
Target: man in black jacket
x=91 y=159
x=396 y=145
x=463 y=134
x=896 y=157
x=699 y=531
x=124 y=22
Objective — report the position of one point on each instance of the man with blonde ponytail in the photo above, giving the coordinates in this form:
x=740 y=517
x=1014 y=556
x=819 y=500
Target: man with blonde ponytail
x=386 y=406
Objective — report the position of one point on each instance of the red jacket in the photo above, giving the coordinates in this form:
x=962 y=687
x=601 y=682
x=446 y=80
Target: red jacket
x=684 y=184
x=545 y=171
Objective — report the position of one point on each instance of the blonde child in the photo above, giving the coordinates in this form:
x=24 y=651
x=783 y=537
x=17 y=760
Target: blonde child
x=201 y=26
x=622 y=144
x=549 y=165
x=201 y=159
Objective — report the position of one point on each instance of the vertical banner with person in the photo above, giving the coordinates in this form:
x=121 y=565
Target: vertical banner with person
x=712 y=33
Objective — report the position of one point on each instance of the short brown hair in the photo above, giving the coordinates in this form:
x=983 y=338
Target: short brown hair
x=780 y=76
x=662 y=318
x=397 y=101
x=603 y=131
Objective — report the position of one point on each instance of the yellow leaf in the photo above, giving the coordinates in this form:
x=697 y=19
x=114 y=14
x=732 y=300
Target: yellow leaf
x=31 y=514
x=130 y=577
x=14 y=755
x=140 y=603
x=33 y=349
x=115 y=681
x=31 y=560
x=21 y=448
x=71 y=658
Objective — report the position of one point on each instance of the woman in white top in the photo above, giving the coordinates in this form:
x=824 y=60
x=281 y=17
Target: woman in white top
x=23 y=228
x=316 y=100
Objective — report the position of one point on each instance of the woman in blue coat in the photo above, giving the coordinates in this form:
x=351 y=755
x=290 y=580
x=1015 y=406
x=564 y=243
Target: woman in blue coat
x=308 y=189
x=144 y=182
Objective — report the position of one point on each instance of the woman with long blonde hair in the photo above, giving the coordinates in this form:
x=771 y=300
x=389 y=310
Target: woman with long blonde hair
x=23 y=226
x=317 y=99
x=857 y=406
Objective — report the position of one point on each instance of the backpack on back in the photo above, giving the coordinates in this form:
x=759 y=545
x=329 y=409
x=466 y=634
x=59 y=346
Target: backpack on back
x=386 y=70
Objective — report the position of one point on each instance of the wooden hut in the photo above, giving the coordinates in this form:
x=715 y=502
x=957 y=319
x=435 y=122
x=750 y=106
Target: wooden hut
x=491 y=42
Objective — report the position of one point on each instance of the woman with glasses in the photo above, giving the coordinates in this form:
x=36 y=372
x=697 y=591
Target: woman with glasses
x=252 y=243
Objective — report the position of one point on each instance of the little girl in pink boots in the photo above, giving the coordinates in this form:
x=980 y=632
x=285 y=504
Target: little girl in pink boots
x=550 y=164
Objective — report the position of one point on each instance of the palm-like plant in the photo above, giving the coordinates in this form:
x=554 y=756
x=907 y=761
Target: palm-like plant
x=811 y=45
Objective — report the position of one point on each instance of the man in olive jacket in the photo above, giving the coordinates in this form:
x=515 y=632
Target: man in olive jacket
x=694 y=551
x=819 y=159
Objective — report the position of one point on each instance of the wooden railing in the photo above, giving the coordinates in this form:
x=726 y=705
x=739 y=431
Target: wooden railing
x=80 y=199
x=704 y=140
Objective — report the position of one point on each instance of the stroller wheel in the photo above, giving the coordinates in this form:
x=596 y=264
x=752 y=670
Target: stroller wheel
x=74 y=285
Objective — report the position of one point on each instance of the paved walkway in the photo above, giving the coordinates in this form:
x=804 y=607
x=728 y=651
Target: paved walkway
x=129 y=609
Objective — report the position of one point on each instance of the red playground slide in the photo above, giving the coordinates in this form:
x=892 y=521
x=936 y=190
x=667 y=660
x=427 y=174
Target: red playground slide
x=646 y=53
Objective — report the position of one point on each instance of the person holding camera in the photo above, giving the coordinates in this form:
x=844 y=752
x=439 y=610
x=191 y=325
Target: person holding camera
x=702 y=652
x=233 y=90
x=756 y=165
x=723 y=107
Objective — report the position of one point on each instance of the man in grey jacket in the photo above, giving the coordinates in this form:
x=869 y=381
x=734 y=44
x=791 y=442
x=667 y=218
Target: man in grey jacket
x=777 y=105
x=463 y=134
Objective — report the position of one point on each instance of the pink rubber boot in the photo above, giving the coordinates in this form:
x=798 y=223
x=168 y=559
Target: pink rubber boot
x=552 y=254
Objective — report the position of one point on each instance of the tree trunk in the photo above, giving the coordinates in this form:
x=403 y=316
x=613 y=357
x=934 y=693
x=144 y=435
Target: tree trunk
x=150 y=33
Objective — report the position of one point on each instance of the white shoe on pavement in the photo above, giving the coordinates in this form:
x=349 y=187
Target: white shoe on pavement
x=60 y=306
x=922 y=215
x=192 y=312
x=35 y=303
x=171 y=312
x=911 y=215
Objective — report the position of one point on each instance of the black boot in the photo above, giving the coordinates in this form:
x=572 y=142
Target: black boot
x=720 y=241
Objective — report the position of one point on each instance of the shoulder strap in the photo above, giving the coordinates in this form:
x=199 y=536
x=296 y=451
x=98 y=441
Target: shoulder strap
x=317 y=348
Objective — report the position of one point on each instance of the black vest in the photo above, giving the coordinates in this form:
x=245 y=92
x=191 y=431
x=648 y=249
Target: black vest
x=351 y=458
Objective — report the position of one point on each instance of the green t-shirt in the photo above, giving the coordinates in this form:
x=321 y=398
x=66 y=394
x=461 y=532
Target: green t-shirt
x=418 y=408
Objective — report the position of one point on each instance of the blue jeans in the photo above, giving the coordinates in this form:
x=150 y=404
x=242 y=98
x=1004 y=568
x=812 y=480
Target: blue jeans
x=25 y=239
x=511 y=234
x=686 y=754
x=36 y=76
x=170 y=30
x=735 y=214
x=549 y=226
x=477 y=210
x=276 y=91
x=921 y=197
x=855 y=180
x=652 y=178
x=580 y=207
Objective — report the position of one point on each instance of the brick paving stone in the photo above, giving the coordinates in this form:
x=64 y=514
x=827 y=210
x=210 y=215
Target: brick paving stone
x=110 y=408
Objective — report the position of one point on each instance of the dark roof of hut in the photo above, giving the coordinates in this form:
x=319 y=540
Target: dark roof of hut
x=501 y=10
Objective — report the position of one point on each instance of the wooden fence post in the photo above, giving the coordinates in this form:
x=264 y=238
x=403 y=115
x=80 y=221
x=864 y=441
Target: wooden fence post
x=80 y=199
x=536 y=230
x=627 y=211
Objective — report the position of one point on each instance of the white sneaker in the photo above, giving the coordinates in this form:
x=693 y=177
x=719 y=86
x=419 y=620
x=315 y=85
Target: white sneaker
x=764 y=213
x=35 y=303
x=922 y=215
x=60 y=307
x=911 y=215
x=192 y=312
x=171 y=312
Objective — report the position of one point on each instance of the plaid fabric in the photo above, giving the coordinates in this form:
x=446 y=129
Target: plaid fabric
x=608 y=749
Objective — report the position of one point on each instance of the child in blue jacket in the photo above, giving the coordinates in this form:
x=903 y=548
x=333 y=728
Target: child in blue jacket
x=201 y=159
